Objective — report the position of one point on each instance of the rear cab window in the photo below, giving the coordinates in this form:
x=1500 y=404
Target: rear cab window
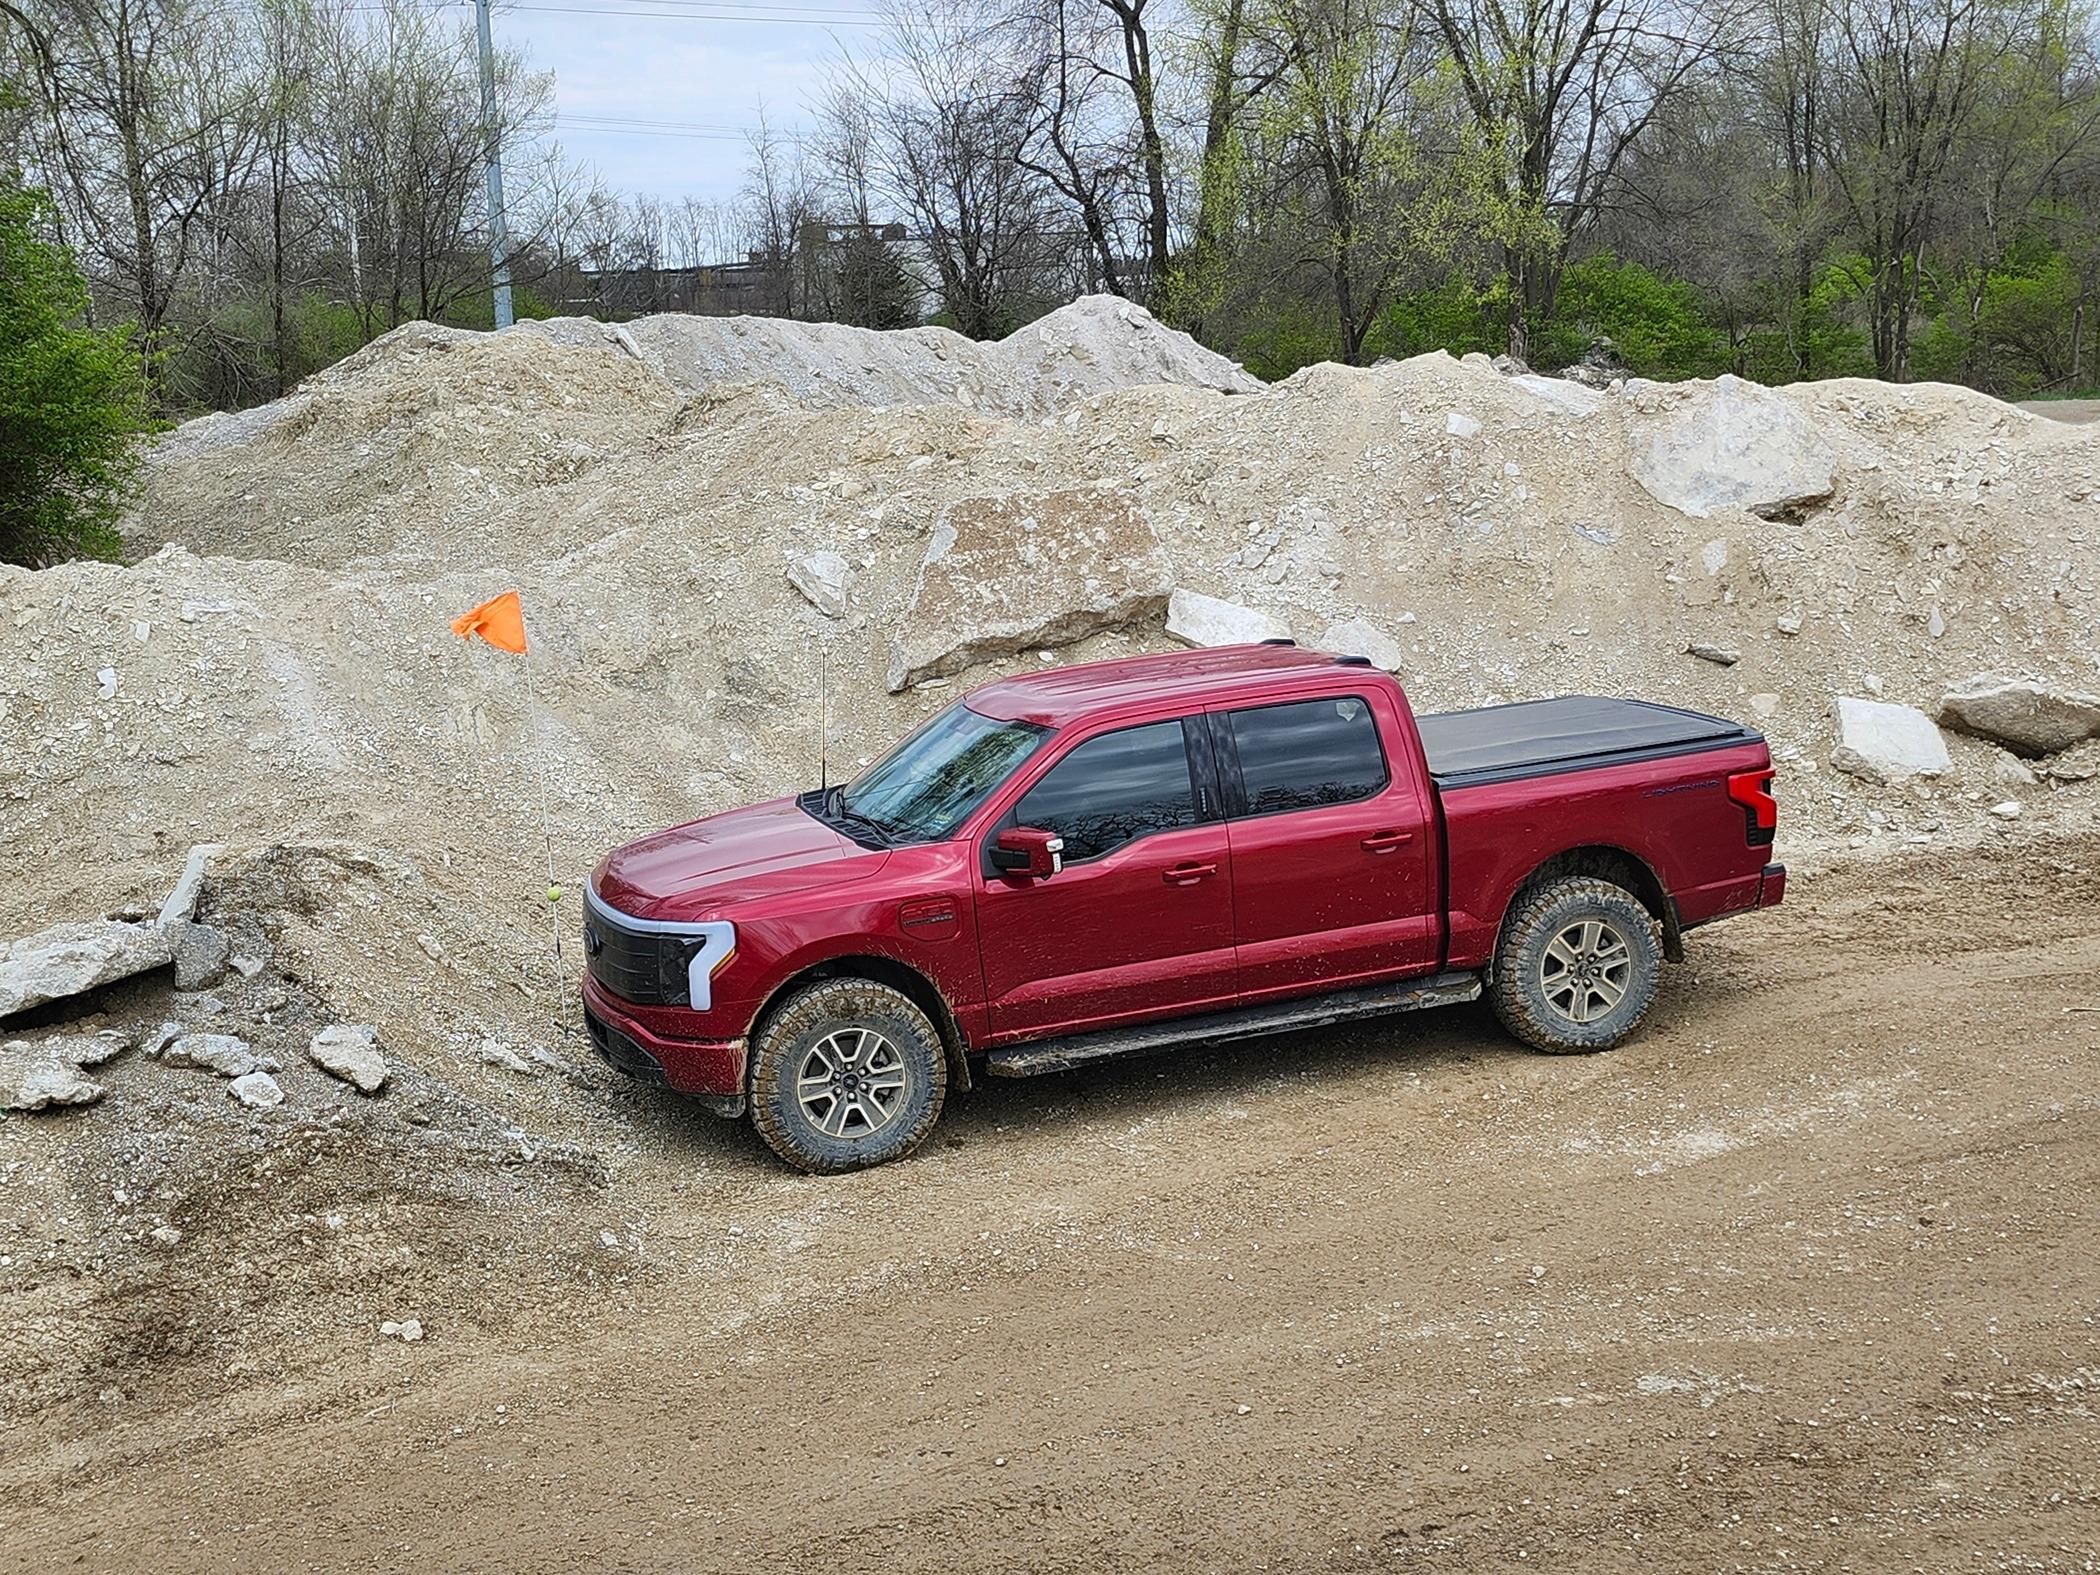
x=1303 y=754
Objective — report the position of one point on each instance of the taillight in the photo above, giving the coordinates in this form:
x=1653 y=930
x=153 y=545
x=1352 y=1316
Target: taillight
x=1753 y=790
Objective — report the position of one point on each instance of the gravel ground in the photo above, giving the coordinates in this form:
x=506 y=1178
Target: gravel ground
x=1803 y=1278
x=2076 y=410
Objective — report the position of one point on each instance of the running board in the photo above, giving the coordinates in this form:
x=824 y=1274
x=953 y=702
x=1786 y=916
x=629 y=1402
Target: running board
x=1246 y=1022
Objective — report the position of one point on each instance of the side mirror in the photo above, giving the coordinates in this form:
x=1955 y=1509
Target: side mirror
x=1029 y=851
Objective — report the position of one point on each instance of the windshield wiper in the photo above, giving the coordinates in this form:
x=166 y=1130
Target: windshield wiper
x=836 y=808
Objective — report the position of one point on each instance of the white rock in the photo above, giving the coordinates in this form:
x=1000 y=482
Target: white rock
x=350 y=1051
x=1572 y=398
x=2009 y=810
x=257 y=1090
x=1199 y=620
x=1765 y=704
x=1356 y=637
x=1788 y=623
x=225 y=1054
x=2021 y=714
x=182 y=901
x=1884 y=743
x=1719 y=655
x=406 y=1329
x=1461 y=425
x=68 y=959
x=1730 y=444
x=106 y=683
x=494 y=1052
x=1713 y=557
x=2011 y=771
x=825 y=579
x=32 y=1081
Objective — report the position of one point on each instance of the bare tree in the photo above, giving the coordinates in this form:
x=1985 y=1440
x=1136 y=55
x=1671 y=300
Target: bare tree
x=1573 y=85
x=949 y=134
x=148 y=111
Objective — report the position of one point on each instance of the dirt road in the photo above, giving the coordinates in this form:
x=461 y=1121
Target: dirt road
x=1806 y=1277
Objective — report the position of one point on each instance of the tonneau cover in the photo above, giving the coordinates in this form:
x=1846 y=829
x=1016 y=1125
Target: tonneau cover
x=1541 y=737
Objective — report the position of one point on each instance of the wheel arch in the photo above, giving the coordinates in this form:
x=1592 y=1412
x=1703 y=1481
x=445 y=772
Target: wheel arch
x=906 y=980
x=1602 y=861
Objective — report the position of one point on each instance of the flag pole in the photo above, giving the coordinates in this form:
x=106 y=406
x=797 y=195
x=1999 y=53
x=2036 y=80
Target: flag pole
x=500 y=622
x=561 y=971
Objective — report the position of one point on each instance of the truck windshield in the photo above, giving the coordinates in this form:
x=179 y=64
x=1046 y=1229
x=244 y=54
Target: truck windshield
x=926 y=787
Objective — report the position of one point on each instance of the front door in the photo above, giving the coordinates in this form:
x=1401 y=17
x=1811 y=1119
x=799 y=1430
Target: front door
x=1138 y=923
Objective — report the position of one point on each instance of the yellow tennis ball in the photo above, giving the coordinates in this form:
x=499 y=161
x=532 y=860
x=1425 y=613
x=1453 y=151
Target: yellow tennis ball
x=554 y=894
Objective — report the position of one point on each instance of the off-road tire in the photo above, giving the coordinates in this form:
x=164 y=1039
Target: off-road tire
x=1525 y=978
x=788 y=1038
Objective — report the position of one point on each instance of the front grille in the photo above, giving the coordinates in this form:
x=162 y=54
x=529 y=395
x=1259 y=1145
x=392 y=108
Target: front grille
x=641 y=966
x=621 y=1052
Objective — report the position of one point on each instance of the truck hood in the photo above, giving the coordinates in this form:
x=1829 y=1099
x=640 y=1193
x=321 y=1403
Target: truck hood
x=761 y=851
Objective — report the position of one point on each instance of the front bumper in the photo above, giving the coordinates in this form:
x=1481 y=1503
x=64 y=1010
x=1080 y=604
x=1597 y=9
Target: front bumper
x=709 y=1069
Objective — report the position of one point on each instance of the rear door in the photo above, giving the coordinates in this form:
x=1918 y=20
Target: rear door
x=1333 y=875
x=1138 y=923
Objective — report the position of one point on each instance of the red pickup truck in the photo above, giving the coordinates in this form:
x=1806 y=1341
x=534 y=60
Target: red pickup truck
x=1089 y=861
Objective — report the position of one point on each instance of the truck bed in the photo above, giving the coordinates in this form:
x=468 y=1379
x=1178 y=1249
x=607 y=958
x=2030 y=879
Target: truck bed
x=1536 y=738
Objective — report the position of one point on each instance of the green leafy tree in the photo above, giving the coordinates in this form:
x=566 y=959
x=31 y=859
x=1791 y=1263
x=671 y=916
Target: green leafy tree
x=73 y=402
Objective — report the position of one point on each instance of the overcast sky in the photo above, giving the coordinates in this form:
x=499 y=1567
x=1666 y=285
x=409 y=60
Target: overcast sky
x=699 y=69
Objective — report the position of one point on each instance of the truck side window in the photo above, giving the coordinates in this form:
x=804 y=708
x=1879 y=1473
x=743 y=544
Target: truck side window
x=1113 y=788
x=1308 y=753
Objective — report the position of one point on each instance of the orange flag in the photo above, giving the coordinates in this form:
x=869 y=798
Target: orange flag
x=500 y=620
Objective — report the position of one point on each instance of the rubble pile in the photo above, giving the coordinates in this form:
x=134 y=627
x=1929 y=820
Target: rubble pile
x=714 y=522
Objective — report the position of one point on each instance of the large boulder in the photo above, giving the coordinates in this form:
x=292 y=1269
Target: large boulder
x=70 y=958
x=1356 y=637
x=1196 y=619
x=1885 y=743
x=2024 y=716
x=1021 y=571
x=1726 y=445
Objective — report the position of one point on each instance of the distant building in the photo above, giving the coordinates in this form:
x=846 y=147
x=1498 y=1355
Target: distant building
x=763 y=284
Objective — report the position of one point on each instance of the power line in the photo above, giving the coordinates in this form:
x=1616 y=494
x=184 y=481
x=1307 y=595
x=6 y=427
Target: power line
x=778 y=7
x=693 y=15
x=638 y=123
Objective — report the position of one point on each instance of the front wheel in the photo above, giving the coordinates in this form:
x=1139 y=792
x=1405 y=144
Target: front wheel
x=1577 y=966
x=846 y=1073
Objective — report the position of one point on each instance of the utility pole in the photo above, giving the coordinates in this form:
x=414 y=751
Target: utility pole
x=499 y=231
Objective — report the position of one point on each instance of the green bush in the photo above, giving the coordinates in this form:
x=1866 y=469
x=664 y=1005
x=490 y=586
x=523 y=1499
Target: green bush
x=73 y=403
x=1454 y=316
x=2007 y=330
x=1286 y=337
x=1659 y=326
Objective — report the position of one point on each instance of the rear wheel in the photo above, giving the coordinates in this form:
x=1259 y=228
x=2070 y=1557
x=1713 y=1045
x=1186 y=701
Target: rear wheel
x=846 y=1073
x=1577 y=966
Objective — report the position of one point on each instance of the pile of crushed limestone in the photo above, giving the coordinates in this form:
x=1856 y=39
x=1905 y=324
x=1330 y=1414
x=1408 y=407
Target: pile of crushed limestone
x=708 y=516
